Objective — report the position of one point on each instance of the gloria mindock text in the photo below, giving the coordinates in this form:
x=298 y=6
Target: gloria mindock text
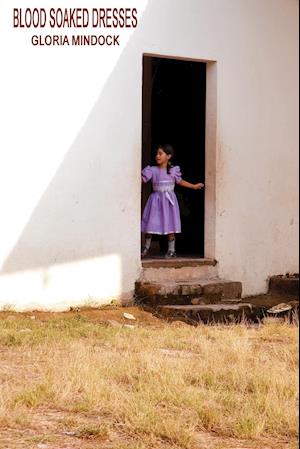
x=77 y=40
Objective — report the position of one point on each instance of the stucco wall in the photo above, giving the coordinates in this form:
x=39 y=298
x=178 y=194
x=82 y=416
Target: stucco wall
x=71 y=149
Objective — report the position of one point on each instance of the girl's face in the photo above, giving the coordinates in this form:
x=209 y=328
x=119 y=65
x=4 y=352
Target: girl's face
x=161 y=157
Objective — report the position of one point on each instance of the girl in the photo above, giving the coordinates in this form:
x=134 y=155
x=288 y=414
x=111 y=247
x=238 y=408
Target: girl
x=161 y=214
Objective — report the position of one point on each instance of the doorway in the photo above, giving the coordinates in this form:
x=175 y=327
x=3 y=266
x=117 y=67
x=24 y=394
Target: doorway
x=174 y=98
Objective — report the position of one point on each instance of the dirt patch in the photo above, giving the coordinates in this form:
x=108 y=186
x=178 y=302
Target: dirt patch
x=269 y=300
x=143 y=316
x=101 y=315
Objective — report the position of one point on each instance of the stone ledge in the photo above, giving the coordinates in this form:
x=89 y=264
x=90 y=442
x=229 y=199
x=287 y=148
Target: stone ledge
x=179 y=262
x=209 y=290
x=207 y=307
x=224 y=313
x=284 y=285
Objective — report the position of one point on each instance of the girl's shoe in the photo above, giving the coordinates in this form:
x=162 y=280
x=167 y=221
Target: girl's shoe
x=170 y=255
x=145 y=252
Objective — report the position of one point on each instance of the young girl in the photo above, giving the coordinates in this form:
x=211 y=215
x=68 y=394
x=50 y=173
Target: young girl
x=161 y=214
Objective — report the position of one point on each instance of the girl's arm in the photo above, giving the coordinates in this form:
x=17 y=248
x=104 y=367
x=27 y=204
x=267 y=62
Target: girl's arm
x=147 y=174
x=191 y=186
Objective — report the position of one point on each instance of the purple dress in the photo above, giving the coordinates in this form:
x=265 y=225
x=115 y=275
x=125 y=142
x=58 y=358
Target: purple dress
x=161 y=214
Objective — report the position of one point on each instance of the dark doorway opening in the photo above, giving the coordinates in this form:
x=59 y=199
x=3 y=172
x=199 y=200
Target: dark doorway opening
x=174 y=93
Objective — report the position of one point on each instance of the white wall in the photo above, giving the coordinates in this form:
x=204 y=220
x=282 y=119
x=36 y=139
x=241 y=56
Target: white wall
x=257 y=189
x=70 y=149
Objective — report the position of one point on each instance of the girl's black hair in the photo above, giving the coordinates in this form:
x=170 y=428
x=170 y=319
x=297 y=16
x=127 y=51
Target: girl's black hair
x=169 y=150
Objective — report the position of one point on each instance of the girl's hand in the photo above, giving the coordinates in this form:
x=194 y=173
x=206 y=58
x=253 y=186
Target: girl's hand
x=190 y=185
x=198 y=186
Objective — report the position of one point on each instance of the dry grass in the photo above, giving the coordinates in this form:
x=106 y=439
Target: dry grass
x=73 y=383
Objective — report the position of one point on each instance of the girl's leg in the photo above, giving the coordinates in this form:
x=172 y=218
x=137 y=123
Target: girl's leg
x=171 y=246
x=148 y=238
x=146 y=248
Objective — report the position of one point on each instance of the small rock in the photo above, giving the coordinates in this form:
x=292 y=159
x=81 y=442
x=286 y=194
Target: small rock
x=197 y=302
x=282 y=307
x=128 y=316
x=129 y=326
x=32 y=317
x=70 y=434
x=25 y=330
x=42 y=446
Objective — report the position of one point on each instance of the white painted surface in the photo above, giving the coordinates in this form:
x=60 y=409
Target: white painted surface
x=179 y=274
x=70 y=149
x=42 y=288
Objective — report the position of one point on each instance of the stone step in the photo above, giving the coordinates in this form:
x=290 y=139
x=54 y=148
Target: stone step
x=178 y=262
x=287 y=285
x=210 y=313
x=184 y=292
x=179 y=269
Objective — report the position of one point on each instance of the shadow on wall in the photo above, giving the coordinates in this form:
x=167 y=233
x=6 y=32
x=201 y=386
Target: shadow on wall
x=86 y=211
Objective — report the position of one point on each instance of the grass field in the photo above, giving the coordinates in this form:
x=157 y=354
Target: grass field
x=72 y=381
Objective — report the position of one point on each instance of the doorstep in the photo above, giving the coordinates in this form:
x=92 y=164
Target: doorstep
x=179 y=262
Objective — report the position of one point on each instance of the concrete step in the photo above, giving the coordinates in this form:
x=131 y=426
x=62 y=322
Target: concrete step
x=210 y=313
x=287 y=285
x=178 y=262
x=201 y=291
x=179 y=269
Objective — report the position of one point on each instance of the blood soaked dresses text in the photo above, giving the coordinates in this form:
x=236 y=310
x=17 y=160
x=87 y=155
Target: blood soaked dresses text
x=67 y=18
